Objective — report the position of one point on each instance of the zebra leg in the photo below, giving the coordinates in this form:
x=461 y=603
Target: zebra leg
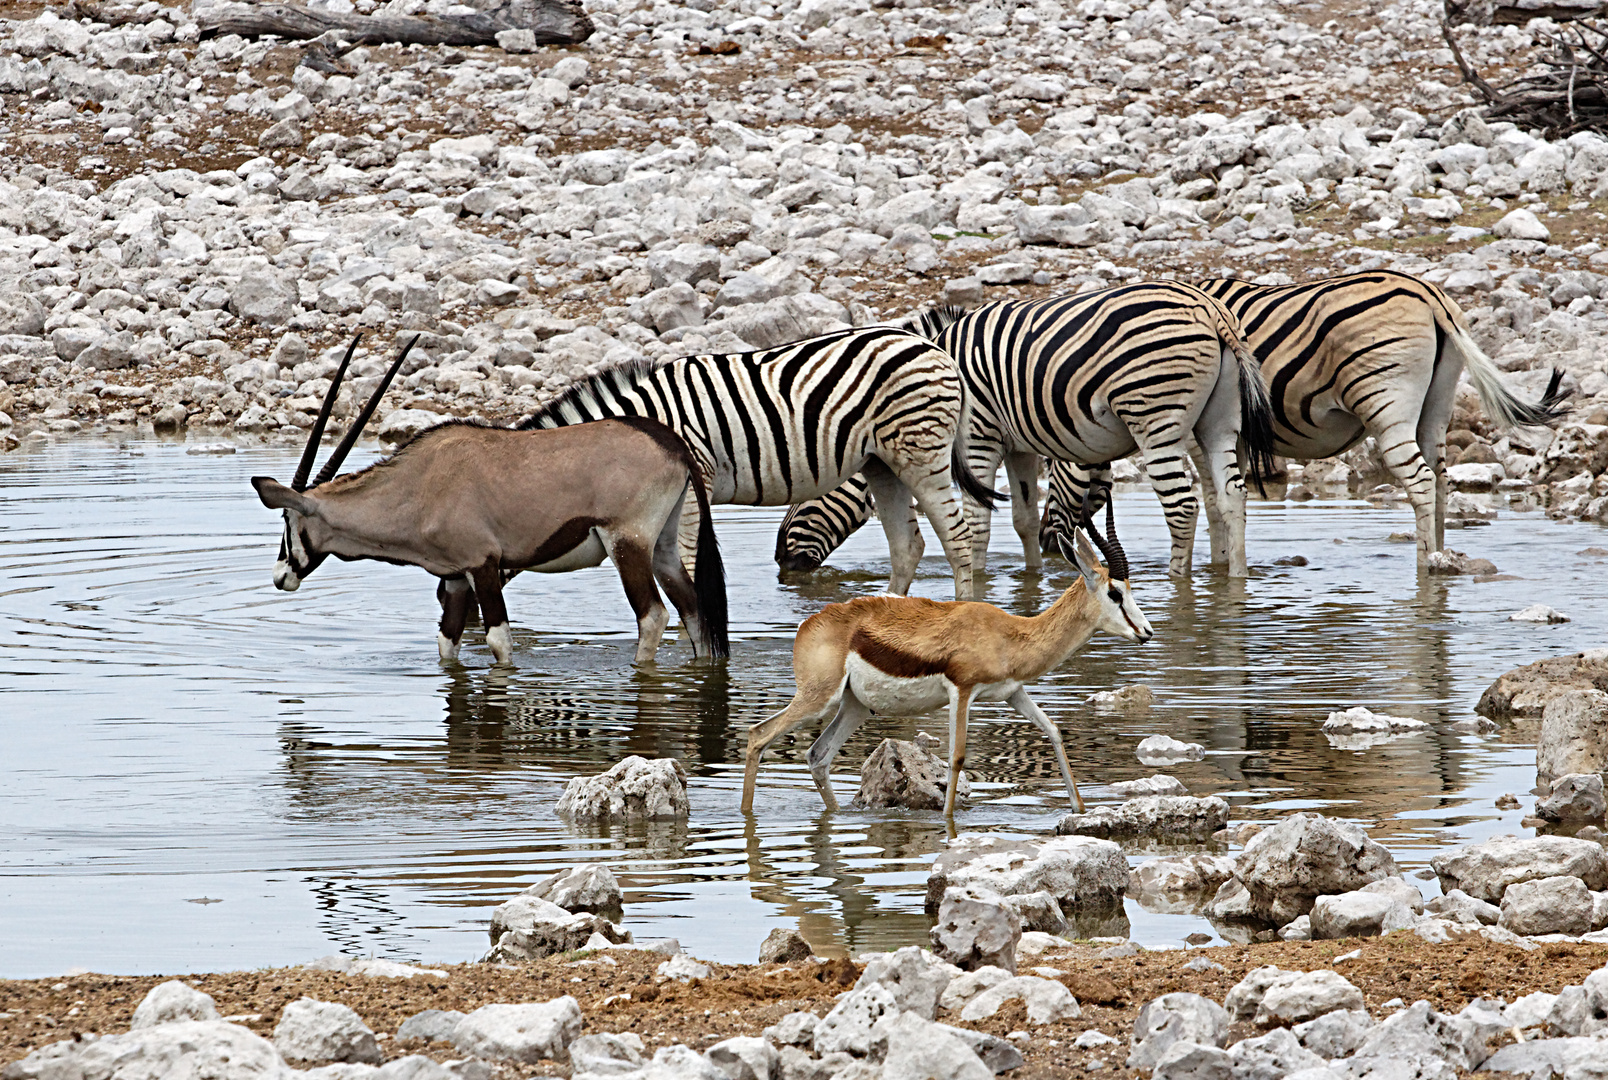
x=1398 y=444
x=1164 y=464
x=982 y=458
x=1433 y=418
x=851 y=714
x=1021 y=474
x=898 y=517
x=946 y=513
x=1215 y=525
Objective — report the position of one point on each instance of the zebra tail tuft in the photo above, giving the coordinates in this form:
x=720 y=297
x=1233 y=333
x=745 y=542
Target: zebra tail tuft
x=1256 y=417
x=969 y=483
x=1497 y=400
x=709 y=574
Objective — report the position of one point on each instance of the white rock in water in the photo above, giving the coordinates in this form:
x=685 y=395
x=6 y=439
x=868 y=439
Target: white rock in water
x=635 y=788
x=1575 y=798
x=592 y=889
x=1360 y=720
x=1539 y=613
x=1164 y=749
x=1284 y=868
x=196 y=1048
x=171 y=1001
x=1485 y=871
x=311 y=1030
x=1133 y=696
x=1574 y=735
x=1150 y=815
x=527 y=1033
x=1521 y=225
x=1078 y=871
x=1159 y=784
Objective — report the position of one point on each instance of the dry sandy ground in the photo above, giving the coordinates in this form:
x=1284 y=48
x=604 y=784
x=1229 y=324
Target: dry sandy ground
x=742 y=1000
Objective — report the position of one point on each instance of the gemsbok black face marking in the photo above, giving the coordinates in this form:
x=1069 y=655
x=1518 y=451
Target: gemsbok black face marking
x=474 y=505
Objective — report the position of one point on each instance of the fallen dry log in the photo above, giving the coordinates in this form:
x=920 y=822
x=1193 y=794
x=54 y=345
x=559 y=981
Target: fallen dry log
x=552 y=22
x=1570 y=96
x=1519 y=12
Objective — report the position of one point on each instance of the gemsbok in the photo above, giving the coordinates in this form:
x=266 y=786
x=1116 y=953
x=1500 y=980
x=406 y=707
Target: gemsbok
x=904 y=655
x=474 y=505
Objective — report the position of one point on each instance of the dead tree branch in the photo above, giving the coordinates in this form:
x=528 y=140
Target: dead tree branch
x=553 y=22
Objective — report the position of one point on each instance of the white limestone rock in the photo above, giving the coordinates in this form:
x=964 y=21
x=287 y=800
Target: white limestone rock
x=915 y=1049
x=1521 y=225
x=1079 y=871
x=200 y=1048
x=1485 y=871
x=847 y=1027
x=1271 y=1057
x=1286 y=867
x=744 y=1057
x=1538 y=613
x=1199 y=874
x=311 y=1030
x=1358 y=914
x=1159 y=784
x=173 y=1001
x=916 y=977
x=1575 y=799
x=976 y=928
x=1335 y=1034
x=1295 y=998
x=1175 y=1018
x=1046 y=1000
x=1166 y=750
x=636 y=788
x=592 y=889
x=683 y=968
x=529 y=1032
x=1173 y=816
x=1574 y=735
x=1553 y=905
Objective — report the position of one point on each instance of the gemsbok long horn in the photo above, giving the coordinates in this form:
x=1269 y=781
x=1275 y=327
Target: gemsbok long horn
x=299 y=482
x=352 y=433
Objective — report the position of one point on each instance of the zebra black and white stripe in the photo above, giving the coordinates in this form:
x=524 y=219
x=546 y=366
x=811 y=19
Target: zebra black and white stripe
x=1157 y=367
x=1377 y=353
x=791 y=423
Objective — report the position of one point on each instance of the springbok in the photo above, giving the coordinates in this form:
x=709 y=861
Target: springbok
x=906 y=655
x=474 y=505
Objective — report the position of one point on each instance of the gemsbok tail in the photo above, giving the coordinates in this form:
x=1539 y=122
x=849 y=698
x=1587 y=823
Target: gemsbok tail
x=1500 y=406
x=709 y=573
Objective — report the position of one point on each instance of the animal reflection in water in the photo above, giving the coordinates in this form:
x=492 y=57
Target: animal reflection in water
x=471 y=504
x=903 y=655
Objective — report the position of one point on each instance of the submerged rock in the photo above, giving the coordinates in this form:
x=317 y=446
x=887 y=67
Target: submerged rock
x=1168 y=817
x=1450 y=563
x=1078 y=871
x=635 y=788
x=905 y=774
x=1132 y=698
x=1159 y=784
x=1538 y=613
x=1164 y=750
x=1525 y=691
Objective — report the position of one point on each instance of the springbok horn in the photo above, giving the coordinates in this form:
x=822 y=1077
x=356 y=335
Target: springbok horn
x=1116 y=558
x=306 y=466
x=346 y=443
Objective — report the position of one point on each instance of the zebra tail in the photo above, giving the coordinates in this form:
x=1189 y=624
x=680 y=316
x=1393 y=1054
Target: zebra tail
x=969 y=484
x=1256 y=416
x=1497 y=400
x=709 y=574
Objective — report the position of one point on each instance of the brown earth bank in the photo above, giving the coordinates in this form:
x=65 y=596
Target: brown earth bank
x=743 y=999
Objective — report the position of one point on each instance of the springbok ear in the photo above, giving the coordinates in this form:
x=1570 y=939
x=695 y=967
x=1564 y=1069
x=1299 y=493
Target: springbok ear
x=276 y=496
x=1088 y=560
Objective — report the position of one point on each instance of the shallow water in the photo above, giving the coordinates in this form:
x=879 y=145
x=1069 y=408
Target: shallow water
x=203 y=773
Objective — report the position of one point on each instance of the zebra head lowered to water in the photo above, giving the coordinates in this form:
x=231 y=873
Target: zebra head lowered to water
x=791 y=423
x=902 y=656
x=472 y=504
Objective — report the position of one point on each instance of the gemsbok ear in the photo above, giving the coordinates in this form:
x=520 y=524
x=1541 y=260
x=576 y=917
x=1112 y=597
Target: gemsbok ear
x=276 y=496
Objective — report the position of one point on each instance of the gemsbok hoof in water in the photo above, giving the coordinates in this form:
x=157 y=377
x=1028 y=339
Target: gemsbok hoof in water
x=903 y=655
x=474 y=505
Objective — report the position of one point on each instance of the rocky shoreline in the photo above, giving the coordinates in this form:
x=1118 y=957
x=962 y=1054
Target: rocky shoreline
x=191 y=230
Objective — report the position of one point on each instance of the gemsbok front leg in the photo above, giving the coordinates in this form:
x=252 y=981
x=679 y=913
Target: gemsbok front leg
x=488 y=583
x=455 y=598
x=634 y=562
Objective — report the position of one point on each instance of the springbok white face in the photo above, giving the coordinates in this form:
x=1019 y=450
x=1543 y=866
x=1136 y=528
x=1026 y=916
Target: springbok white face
x=1119 y=614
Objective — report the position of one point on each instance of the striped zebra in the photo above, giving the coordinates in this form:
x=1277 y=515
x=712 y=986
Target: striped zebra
x=791 y=423
x=1157 y=367
x=1377 y=353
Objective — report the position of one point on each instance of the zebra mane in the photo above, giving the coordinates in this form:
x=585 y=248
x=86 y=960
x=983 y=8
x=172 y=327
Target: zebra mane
x=619 y=378
x=932 y=322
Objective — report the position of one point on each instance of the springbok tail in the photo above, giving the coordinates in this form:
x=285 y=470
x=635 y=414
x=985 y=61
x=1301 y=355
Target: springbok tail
x=709 y=574
x=1497 y=400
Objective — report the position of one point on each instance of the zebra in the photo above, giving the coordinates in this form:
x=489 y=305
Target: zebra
x=812 y=530
x=1377 y=353
x=1155 y=366
x=790 y=423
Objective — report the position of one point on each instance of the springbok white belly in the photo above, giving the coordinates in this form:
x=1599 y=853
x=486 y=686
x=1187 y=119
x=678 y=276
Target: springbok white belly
x=893 y=695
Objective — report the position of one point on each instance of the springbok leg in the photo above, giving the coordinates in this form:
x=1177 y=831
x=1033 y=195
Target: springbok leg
x=959 y=702
x=634 y=562
x=851 y=714
x=455 y=599
x=1035 y=715
x=811 y=702
x=493 y=612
